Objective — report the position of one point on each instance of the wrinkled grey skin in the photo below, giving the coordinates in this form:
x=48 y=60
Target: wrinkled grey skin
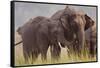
x=75 y=24
x=91 y=40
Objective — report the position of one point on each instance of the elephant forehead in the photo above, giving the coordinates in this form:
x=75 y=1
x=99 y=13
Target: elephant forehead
x=76 y=13
x=78 y=20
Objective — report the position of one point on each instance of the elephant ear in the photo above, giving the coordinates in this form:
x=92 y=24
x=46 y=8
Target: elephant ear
x=64 y=21
x=65 y=17
x=89 y=22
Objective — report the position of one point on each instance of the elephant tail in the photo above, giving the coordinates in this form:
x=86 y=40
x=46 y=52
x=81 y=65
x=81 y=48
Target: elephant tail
x=18 y=43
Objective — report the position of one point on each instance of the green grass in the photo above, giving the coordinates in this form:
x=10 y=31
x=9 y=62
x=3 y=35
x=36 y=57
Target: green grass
x=19 y=59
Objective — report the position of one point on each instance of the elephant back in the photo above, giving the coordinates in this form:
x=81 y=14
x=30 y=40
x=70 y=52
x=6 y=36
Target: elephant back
x=57 y=15
x=38 y=19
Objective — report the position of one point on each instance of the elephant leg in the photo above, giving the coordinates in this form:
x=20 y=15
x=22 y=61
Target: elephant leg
x=44 y=55
x=75 y=47
x=26 y=53
x=55 y=51
x=92 y=49
x=43 y=45
x=51 y=50
x=44 y=50
x=30 y=52
x=26 y=56
x=35 y=53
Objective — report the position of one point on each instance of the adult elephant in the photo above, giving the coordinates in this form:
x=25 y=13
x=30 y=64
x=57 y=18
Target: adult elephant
x=38 y=36
x=40 y=33
x=91 y=40
x=74 y=23
x=27 y=32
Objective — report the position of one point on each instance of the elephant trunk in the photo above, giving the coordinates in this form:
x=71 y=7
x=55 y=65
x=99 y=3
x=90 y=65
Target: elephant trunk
x=81 y=40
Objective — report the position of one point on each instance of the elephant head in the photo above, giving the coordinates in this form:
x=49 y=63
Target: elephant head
x=74 y=24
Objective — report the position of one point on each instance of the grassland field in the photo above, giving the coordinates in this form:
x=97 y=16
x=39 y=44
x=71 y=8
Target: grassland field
x=20 y=61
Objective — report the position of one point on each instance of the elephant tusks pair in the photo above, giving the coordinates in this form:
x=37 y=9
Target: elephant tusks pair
x=18 y=43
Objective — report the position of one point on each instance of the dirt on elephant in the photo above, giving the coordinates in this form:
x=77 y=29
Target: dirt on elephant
x=19 y=59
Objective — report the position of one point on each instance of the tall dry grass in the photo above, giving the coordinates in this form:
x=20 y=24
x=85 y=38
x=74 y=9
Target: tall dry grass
x=65 y=58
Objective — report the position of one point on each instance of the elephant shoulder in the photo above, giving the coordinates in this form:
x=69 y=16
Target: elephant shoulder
x=43 y=23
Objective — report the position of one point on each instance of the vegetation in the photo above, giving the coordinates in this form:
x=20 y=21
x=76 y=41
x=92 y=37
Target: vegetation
x=65 y=58
x=19 y=59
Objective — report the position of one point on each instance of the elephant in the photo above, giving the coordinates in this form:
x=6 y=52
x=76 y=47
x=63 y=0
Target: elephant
x=37 y=35
x=75 y=24
x=40 y=33
x=64 y=26
x=27 y=32
x=91 y=40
